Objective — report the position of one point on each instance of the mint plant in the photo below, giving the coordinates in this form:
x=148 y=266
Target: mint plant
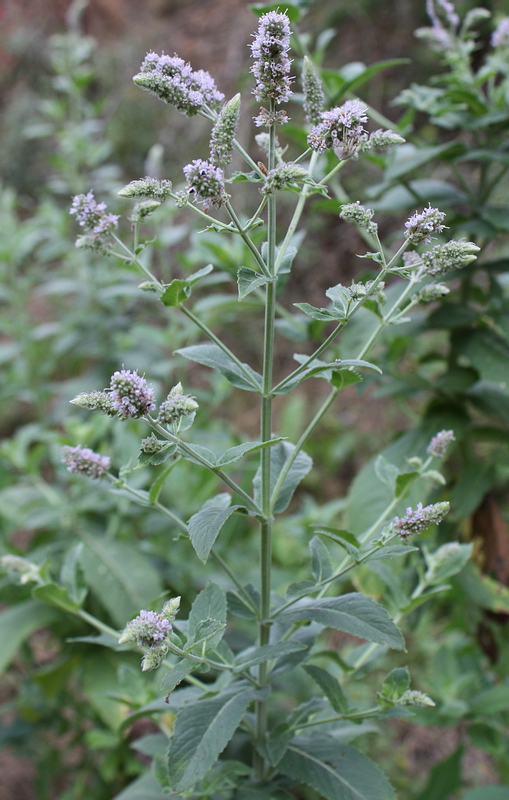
x=261 y=702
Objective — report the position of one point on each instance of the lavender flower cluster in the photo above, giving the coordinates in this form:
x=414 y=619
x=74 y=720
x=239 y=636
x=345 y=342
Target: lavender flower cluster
x=152 y=630
x=272 y=65
x=176 y=406
x=340 y=129
x=415 y=522
x=422 y=224
x=176 y=83
x=206 y=181
x=130 y=394
x=83 y=460
x=440 y=443
x=94 y=219
x=500 y=36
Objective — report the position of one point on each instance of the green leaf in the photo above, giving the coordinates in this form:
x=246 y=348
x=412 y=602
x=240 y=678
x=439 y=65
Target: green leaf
x=353 y=613
x=210 y=604
x=205 y=631
x=338 y=535
x=234 y=454
x=322 y=314
x=446 y=562
x=329 y=686
x=174 y=676
x=71 y=574
x=204 y=528
x=386 y=472
x=18 y=623
x=405 y=481
x=179 y=290
x=341 y=299
x=198 y=454
x=279 y=455
x=268 y=652
x=144 y=788
x=408 y=157
x=119 y=575
x=445 y=778
x=491 y=701
x=334 y=769
x=210 y=355
x=56 y=596
x=491 y=792
x=201 y=732
x=155 y=489
x=321 y=564
x=396 y=684
x=249 y=280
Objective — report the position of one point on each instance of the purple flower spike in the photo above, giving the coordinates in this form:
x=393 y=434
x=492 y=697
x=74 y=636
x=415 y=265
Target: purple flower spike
x=440 y=443
x=421 y=225
x=95 y=221
x=206 y=181
x=83 y=460
x=176 y=83
x=415 y=522
x=131 y=395
x=271 y=67
x=340 y=129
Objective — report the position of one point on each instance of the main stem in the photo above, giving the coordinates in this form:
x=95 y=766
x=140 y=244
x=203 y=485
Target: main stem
x=266 y=434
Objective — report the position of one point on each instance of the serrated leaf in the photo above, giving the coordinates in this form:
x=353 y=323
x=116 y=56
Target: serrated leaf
x=334 y=769
x=174 y=676
x=198 y=454
x=56 y=596
x=353 y=613
x=234 y=454
x=341 y=299
x=204 y=527
x=210 y=355
x=144 y=459
x=329 y=686
x=279 y=455
x=201 y=732
x=210 y=604
x=321 y=564
x=204 y=631
x=248 y=280
x=176 y=293
x=322 y=314
x=268 y=652
x=339 y=535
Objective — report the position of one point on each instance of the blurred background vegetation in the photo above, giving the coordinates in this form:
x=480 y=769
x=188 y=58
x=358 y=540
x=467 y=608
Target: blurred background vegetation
x=73 y=121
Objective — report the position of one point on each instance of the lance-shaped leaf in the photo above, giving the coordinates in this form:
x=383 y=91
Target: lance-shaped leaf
x=210 y=355
x=353 y=613
x=268 y=652
x=329 y=686
x=201 y=732
x=210 y=604
x=234 y=454
x=204 y=527
x=174 y=676
x=279 y=455
x=334 y=769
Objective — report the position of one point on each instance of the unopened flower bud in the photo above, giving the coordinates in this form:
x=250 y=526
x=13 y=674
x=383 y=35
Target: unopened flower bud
x=314 y=97
x=96 y=401
x=381 y=140
x=147 y=187
x=412 y=697
x=171 y=609
x=359 y=215
x=282 y=176
x=27 y=571
x=153 y=658
x=152 y=445
x=451 y=255
x=222 y=138
x=440 y=443
x=415 y=522
x=430 y=293
x=84 y=460
x=176 y=406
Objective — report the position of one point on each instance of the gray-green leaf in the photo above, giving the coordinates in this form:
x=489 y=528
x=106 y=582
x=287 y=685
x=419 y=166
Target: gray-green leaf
x=204 y=528
x=353 y=613
x=210 y=355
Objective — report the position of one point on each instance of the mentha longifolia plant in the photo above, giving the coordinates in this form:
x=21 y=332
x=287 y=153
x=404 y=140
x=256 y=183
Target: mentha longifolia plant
x=232 y=736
